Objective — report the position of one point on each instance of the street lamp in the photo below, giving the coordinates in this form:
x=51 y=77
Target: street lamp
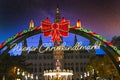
x=86 y=75
x=36 y=77
x=119 y=60
x=28 y=74
x=23 y=73
x=18 y=71
x=81 y=76
x=31 y=76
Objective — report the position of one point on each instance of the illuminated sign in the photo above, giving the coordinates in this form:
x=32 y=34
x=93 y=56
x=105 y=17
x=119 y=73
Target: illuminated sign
x=56 y=30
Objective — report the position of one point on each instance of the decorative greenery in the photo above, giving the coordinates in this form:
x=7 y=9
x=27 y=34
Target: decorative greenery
x=116 y=41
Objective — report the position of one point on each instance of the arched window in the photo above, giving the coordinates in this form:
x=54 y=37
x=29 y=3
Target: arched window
x=68 y=57
x=72 y=68
x=84 y=56
x=44 y=57
x=76 y=56
x=71 y=57
x=77 y=64
x=51 y=57
x=48 y=64
x=51 y=64
x=77 y=69
x=40 y=57
x=88 y=56
x=72 y=64
x=65 y=64
x=44 y=64
x=40 y=65
x=81 y=63
x=40 y=70
x=48 y=57
x=68 y=64
x=64 y=56
x=35 y=57
x=35 y=65
x=81 y=69
x=81 y=57
x=35 y=69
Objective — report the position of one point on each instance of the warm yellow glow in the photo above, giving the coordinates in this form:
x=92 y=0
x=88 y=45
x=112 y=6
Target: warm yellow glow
x=18 y=69
x=14 y=69
x=31 y=76
x=31 y=24
x=61 y=73
x=57 y=11
x=23 y=73
x=118 y=58
x=28 y=74
x=78 y=23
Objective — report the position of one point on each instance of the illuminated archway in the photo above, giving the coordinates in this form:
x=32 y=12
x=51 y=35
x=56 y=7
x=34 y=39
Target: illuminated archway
x=108 y=47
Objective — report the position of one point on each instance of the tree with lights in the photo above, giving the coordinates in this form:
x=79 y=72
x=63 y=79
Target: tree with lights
x=9 y=64
x=103 y=67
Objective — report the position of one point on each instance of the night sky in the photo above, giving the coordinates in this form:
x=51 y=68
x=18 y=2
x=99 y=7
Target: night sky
x=100 y=16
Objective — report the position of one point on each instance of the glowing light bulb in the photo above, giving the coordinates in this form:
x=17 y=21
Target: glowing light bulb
x=78 y=23
x=31 y=24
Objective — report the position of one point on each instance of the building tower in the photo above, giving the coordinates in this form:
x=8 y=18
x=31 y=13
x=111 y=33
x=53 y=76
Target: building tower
x=24 y=48
x=58 y=73
x=57 y=19
x=40 y=41
x=75 y=40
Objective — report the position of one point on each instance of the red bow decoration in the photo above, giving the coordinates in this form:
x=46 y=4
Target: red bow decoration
x=56 y=30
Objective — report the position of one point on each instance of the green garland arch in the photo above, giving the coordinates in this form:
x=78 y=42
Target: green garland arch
x=36 y=30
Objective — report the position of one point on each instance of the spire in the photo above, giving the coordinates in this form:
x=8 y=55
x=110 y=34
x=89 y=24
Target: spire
x=40 y=41
x=24 y=48
x=57 y=19
x=75 y=39
x=92 y=50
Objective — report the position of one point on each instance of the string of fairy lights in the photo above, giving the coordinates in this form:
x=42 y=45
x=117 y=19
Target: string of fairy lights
x=3 y=44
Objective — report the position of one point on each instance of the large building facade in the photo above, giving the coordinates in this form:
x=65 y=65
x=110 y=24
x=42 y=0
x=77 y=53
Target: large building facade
x=75 y=60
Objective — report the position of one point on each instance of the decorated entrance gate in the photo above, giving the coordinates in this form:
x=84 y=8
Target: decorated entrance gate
x=58 y=30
